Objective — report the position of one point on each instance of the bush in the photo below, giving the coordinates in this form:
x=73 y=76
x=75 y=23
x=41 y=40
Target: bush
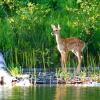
x=25 y=30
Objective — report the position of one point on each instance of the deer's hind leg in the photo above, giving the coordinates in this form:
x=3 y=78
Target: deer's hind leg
x=79 y=57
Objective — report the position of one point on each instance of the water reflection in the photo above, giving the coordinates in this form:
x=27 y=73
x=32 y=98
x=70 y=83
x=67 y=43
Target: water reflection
x=78 y=93
x=64 y=92
x=45 y=92
x=5 y=92
x=60 y=93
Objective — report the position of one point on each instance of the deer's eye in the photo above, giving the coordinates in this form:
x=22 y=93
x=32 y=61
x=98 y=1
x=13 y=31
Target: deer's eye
x=55 y=30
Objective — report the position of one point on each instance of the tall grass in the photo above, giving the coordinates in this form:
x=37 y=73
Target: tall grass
x=25 y=31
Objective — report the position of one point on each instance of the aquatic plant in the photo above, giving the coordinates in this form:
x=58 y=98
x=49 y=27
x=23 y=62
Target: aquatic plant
x=15 y=70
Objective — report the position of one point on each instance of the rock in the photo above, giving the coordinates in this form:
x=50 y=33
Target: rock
x=23 y=82
x=5 y=76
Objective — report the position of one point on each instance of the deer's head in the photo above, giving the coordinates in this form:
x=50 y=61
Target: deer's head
x=55 y=29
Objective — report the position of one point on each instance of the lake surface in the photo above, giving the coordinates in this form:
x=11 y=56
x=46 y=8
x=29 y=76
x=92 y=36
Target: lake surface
x=47 y=92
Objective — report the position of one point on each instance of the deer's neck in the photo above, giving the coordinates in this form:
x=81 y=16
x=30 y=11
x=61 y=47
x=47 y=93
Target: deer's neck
x=58 y=39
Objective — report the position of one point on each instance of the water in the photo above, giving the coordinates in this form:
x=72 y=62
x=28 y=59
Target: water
x=47 y=92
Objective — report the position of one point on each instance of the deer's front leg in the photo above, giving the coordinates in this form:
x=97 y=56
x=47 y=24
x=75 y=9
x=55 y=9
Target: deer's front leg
x=63 y=60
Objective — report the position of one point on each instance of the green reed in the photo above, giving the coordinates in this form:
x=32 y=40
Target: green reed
x=25 y=32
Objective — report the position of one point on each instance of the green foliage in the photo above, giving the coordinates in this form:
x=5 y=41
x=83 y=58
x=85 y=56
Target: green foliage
x=15 y=70
x=25 y=30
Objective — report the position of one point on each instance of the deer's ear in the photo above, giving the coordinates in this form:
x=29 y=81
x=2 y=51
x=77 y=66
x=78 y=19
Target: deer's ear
x=52 y=26
x=59 y=27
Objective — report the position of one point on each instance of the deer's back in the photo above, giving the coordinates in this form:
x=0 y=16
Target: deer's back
x=73 y=44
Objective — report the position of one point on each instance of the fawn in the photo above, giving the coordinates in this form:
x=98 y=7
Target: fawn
x=64 y=45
